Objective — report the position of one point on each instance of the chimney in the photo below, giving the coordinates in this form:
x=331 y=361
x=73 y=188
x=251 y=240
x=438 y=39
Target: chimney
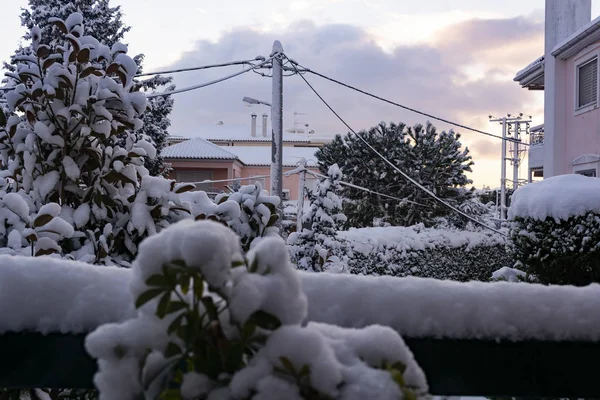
x=253 y=125
x=264 y=125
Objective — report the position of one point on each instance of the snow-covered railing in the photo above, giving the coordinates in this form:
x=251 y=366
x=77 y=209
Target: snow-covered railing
x=470 y=338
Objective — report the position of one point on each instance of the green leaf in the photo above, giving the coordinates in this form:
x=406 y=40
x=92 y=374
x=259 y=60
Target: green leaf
x=287 y=364
x=175 y=306
x=272 y=220
x=248 y=330
x=163 y=305
x=271 y=207
x=223 y=199
x=265 y=320
x=147 y=296
x=171 y=394
x=305 y=371
x=211 y=309
x=238 y=263
x=184 y=284
x=83 y=56
x=185 y=188
x=156 y=280
x=42 y=220
x=400 y=366
x=254 y=265
x=198 y=288
x=175 y=324
x=173 y=349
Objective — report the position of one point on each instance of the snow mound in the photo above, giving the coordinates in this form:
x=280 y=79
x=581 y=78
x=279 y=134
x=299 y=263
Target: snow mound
x=559 y=198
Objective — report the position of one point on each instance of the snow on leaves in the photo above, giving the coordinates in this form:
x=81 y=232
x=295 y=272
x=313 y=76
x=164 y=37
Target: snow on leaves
x=214 y=323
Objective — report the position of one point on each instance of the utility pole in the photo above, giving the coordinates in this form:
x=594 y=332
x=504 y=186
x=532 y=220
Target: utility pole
x=277 y=125
x=301 y=183
x=507 y=123
x=516 y=156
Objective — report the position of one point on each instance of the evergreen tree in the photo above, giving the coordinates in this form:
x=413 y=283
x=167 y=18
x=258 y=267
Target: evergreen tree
x=104 y=23
x=433 y=159
x=75 y=182
x=316 y=248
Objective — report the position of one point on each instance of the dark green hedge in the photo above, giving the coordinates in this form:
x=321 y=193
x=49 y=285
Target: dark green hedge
x=562 y=253
x=456 y=263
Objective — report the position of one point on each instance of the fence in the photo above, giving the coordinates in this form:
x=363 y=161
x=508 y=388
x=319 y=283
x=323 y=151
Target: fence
x=452 y=367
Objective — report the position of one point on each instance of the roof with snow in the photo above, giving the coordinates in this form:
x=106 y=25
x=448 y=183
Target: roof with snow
x=532 y=76
x=202 y=149
x=197 y=148
x=261 y=155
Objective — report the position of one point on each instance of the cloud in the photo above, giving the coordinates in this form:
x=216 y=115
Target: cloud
x=432 y=77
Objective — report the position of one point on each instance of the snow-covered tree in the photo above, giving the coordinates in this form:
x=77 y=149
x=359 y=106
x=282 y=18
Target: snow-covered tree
x=435 y=160
x=75 y=182
x=316 y=248
x=105 y=23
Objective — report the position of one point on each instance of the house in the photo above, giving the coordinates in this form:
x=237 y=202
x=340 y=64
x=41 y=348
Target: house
x=241 y=155
x=569 y=140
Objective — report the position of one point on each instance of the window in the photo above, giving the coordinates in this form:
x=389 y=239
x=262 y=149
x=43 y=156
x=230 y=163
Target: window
x=196 y=176
x=587 y=172
x=587 y=83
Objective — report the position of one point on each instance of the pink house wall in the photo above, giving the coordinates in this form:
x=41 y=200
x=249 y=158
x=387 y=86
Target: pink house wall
x=582 y=131
x=231 y=170
x=290 y=182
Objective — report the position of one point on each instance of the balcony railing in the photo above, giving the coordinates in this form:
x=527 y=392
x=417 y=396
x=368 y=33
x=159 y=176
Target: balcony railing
x=536 y=138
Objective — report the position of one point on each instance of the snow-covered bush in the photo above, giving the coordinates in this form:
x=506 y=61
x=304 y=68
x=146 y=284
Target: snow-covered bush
x=424 y=252
x=68 y=154
x=474 y=207
x=316 y=248
x=507 y=274
x=257 y=216
x=215 y=323
x=556 y=229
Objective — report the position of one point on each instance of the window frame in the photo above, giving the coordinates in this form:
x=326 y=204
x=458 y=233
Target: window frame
x=578 y=65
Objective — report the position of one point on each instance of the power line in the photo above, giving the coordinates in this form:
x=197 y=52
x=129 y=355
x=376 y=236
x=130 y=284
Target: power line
x=229 y=180
x=247 y=62
x=406 y=107
x=187 y=89
x=369 y=190
x=423 y=188
x=172 y=71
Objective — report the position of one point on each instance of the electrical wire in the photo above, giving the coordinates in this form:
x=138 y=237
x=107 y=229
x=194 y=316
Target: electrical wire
x=229 y=180
x=406 y=107
x=407 y=177
x=369 y=190
x=172 y=71
x=187 y=89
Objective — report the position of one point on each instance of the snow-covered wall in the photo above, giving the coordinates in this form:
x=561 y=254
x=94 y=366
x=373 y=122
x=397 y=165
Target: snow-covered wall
x=49 y=295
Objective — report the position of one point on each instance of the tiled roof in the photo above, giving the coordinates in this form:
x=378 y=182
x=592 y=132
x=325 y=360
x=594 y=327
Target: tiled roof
x=197 y=148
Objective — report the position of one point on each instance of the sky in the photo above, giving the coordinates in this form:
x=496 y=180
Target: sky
x=450 y=58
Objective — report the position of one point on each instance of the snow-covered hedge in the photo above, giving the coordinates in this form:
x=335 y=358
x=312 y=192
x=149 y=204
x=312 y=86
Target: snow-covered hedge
x=213 y=322
x=556 y=229
x=424 y=252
